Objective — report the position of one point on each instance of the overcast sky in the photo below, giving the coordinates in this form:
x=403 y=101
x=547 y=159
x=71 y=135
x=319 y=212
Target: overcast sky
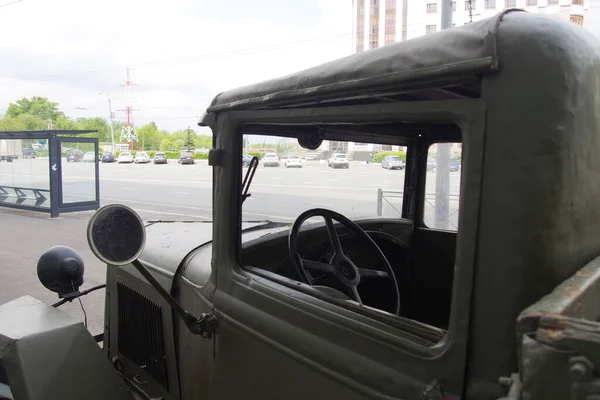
x=180 y=52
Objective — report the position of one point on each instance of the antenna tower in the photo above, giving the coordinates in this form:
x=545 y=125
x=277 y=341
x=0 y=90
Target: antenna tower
x=128 y=133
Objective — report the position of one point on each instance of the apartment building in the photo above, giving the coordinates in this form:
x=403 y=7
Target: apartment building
x=380 y=22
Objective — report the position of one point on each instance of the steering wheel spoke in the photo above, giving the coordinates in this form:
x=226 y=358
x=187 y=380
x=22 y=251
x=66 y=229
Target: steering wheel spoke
x=318 y=266
x=372 y=273
x=356 y=295
x=333 y=236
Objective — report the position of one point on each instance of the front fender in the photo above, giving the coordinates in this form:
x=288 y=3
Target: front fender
x=47 y=354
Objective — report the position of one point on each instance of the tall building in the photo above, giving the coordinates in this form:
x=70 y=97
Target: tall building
x=381 y=22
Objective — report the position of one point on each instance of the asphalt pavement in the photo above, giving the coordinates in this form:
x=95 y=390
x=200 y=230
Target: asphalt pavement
x=173 y=191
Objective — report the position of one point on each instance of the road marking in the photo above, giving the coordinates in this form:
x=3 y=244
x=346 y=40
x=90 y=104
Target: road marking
x=170 y=213
x=322 y=205
x=180 y=193
x=193 y=208
x=128 y=188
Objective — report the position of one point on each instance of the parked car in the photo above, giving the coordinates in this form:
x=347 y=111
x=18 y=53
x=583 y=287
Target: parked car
x=28 y=153
x=270 y=160
x=141 y=157
x=108 y=156
x=186 y=157
x=89 y=156
x=392 y=162
x=431 y=163
x=246 y=158
x=125 y=157
x=293 y=162
x=338 y=161
x=160 y=158
x=74 y=156
x=454 y=165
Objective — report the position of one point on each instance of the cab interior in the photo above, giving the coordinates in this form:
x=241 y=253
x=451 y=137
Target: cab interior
x=422 y=258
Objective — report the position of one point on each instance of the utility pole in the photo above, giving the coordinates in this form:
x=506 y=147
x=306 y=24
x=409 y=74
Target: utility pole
x=112 y=128
x=128 y=132
x=442 y=174
x=110 y=117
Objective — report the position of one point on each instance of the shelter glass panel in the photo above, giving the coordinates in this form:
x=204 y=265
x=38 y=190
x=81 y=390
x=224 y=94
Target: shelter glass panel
x=79 y=161
x=24 y=174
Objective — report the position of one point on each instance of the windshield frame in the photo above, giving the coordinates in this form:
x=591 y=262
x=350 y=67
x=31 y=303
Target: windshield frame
x=468 y=114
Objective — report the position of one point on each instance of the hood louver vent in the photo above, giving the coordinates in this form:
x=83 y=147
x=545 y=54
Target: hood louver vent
x=140 y=333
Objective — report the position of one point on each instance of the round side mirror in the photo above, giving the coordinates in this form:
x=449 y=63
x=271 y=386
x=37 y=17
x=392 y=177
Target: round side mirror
x=116 y=234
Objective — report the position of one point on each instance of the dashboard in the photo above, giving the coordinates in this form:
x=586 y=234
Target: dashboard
x=270 y=252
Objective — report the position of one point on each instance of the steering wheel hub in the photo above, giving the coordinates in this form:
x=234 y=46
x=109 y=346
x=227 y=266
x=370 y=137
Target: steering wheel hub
x=340 y=265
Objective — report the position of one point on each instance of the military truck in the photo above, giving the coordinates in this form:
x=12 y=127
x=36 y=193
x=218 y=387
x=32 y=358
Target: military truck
x=499 y=299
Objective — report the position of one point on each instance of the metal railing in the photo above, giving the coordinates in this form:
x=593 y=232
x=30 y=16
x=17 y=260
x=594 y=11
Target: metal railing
x=384 y=195
x=20 y=195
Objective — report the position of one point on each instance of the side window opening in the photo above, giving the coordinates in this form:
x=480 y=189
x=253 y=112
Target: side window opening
x=442 y=186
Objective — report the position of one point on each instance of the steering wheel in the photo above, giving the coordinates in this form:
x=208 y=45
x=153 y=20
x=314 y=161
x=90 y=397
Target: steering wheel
x=340 y=265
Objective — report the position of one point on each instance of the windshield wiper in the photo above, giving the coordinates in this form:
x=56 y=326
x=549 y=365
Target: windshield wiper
x=248 y=178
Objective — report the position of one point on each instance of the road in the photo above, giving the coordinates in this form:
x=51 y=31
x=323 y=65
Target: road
x=185 y=190
x=171 y=191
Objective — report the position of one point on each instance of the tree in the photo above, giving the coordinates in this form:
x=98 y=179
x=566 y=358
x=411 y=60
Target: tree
x=36 y=106
x=96 y=124
x=149 y=136
x=204 y=141
x=31 y=122
x=189 y=143
x=167 y=144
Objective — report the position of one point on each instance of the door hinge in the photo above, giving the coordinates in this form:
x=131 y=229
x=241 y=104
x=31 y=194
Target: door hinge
x=216 y=157
x=205 y=326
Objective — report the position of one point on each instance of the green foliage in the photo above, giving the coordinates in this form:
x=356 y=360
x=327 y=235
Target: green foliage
x=167 y=144
x=34 y=113
x=190 y=142
x=95 y=123
x=379 y=156
x=37 y=106
x=149 y=136
x=27 y=122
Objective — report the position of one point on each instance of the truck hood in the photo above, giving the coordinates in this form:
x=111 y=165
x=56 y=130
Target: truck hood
x=169 y=242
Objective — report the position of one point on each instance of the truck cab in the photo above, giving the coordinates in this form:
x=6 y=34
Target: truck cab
x=485 y=285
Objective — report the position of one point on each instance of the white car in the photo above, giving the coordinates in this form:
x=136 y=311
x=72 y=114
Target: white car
x=293 y=162
x=141 y=157
x=338 y=161
x=90 y=156
x=125 y=157
x=270 y=160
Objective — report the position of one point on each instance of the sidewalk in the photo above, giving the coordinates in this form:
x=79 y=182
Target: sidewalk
x=26 y=235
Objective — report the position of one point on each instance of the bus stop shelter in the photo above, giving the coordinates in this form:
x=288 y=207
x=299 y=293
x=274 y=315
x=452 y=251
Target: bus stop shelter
x=52 y=171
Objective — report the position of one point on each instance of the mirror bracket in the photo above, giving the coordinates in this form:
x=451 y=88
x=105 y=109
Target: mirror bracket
x=116 y=235
x=204 y=326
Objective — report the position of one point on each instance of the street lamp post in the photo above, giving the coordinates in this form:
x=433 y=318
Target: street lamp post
x=112 y=129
